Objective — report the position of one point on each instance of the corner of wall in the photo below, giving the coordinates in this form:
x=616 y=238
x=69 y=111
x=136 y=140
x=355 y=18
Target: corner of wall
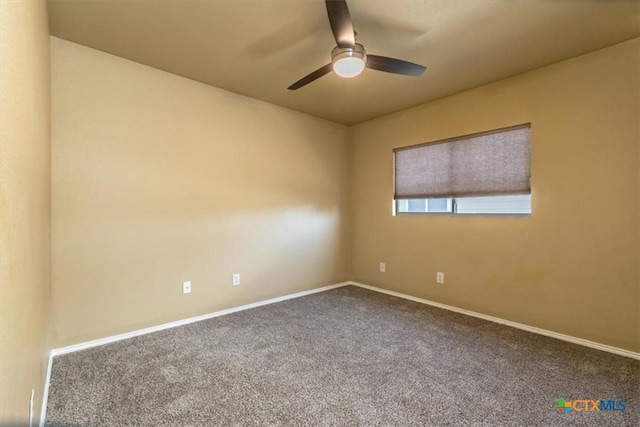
x=25 y=210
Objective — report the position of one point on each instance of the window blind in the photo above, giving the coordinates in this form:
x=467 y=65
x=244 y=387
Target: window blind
x=483 y=164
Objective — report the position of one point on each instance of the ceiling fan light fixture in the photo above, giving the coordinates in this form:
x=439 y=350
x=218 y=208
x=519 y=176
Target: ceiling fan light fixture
x=349 y=62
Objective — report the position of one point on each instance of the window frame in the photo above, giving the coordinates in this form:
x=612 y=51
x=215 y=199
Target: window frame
x=452 y=212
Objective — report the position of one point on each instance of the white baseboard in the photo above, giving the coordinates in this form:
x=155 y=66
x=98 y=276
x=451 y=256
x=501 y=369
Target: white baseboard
x=120 y=337
x=563 y=337
x=45 y=392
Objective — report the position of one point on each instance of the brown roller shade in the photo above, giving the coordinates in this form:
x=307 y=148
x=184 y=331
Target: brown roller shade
x=483 y=164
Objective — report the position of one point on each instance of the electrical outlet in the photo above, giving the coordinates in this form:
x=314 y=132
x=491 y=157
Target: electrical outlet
x=186 y=287
x=383 y=267
x=236 y=279
x=440 y=278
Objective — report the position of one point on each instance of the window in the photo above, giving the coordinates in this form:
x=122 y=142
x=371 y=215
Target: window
x=492 y=205
x=484 y=173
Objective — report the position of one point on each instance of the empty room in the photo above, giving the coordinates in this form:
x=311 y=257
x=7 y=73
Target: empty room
x=319 y=212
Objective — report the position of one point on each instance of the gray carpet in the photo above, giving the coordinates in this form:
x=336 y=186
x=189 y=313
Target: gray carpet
x=343 y=357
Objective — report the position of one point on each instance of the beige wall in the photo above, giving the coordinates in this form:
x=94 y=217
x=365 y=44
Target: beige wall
x=158 y=179
x=25 y=207
x=572 y=267
x=209 y=183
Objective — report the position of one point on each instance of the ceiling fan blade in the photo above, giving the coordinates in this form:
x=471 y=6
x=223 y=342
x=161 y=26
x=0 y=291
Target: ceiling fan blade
x=396 y=66
x=341 y=24
x=311 y=77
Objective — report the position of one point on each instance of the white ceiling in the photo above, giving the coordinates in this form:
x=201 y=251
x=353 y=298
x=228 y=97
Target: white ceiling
x=260 y=47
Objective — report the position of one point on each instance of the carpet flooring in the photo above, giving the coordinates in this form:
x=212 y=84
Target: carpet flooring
x=349 y=357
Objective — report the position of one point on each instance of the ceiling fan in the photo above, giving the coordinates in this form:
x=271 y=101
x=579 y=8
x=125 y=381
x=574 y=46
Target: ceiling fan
x=348 y=58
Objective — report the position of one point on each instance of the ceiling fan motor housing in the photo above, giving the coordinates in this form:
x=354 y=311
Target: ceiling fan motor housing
x=349 y=61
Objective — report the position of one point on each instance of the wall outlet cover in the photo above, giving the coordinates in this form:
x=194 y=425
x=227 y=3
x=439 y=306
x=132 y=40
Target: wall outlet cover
x=186 y=287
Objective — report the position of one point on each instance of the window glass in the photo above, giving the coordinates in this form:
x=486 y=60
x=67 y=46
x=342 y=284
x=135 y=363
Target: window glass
x=493 y=205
